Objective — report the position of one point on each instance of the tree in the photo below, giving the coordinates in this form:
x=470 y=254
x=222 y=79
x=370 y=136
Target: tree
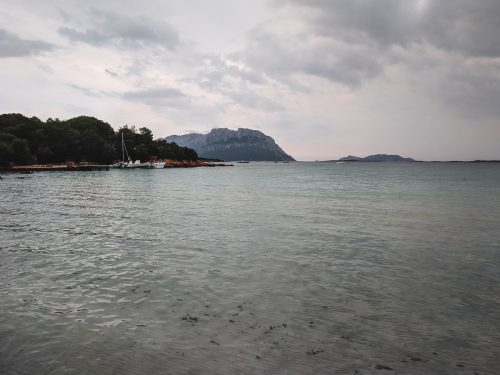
x=21 y=150
x=6 y=154
x=92 y=146
x=24 y=139
x=44 y=155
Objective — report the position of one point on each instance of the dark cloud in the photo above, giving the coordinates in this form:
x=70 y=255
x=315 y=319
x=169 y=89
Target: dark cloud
x=153 y=93
x=469 y=27
x=281 y=58
x=385 y=21
x=465 y=26
x=252 y=100
x=125 y=31
x=158 y=97
x=454 y=44
x=13 y=46
x=473 y=91
x=93 y=37
x=87 y=91
x=351 y=68
x=129 y=67
x=111 y=72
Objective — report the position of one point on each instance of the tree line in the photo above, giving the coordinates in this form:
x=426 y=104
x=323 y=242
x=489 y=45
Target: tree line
x=25 y=140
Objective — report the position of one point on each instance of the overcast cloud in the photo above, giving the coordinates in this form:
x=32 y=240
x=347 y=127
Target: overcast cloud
x=13 y=46
x=325 y=78
x=122 y=30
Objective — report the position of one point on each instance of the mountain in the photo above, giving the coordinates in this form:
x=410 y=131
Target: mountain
x=226 y=144
x=377 y=158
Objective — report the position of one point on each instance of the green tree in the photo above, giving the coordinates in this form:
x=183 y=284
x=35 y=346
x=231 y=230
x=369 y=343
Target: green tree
x=44 y=155
x=23 y=139
x=21 y=150
x=6 y=154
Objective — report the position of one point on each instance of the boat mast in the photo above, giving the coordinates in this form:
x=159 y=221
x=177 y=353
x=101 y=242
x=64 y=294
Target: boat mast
x=124 y=150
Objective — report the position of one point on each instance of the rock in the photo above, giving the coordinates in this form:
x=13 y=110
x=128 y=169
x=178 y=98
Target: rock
x=226 y=144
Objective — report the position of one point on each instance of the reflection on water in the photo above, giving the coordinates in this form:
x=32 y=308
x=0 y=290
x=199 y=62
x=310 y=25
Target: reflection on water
x=301 y=268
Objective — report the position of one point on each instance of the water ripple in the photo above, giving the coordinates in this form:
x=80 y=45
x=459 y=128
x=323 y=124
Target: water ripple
x=301 y=268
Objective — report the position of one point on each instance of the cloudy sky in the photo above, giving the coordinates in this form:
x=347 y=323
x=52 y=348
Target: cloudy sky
x=325 y=78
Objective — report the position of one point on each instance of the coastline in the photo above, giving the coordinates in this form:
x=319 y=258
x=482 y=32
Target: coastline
x=104 y=167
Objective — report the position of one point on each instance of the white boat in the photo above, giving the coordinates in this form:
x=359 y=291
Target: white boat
x=137 y=164
x=129 y=163
x=159 y=165
x=117 y=165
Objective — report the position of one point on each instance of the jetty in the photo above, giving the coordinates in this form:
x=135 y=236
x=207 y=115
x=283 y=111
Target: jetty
x=58 y=167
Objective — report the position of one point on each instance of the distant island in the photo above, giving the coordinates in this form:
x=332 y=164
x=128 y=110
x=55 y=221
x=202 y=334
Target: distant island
x=377 y=158
x=233 y=145
x=25 y=140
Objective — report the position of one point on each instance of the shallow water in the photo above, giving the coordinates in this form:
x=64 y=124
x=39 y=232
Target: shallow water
x=300 y=268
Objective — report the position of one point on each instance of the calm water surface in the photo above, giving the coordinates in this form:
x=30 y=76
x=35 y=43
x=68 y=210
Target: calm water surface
x=262 y=268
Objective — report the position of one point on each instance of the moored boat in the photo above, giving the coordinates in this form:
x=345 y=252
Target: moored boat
x=130 y=164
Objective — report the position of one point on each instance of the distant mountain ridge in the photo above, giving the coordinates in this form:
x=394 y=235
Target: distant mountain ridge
x=230 y=145
x=377 y=158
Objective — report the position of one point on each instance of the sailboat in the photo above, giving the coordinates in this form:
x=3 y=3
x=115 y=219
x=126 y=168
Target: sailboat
x=129 y=163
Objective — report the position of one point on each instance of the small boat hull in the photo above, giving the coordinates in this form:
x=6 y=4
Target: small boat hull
x=159 y=165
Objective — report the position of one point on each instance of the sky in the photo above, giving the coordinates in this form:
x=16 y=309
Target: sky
x=324 y=78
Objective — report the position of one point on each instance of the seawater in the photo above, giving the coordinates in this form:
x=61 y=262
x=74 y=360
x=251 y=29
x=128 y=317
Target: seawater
x=260 y=268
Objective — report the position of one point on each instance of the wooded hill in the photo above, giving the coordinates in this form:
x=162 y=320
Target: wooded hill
x=25 y=140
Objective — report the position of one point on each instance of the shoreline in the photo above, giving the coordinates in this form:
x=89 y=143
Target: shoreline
x=51 y=167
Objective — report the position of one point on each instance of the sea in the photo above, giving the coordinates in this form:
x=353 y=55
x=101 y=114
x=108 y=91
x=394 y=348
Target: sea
x=259 y=268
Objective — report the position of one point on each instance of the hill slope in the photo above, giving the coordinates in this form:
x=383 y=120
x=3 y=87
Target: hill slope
x=226 y=144
x=25 y=140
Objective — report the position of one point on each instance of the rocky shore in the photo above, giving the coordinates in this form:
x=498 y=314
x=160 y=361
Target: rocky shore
x=193 y=164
